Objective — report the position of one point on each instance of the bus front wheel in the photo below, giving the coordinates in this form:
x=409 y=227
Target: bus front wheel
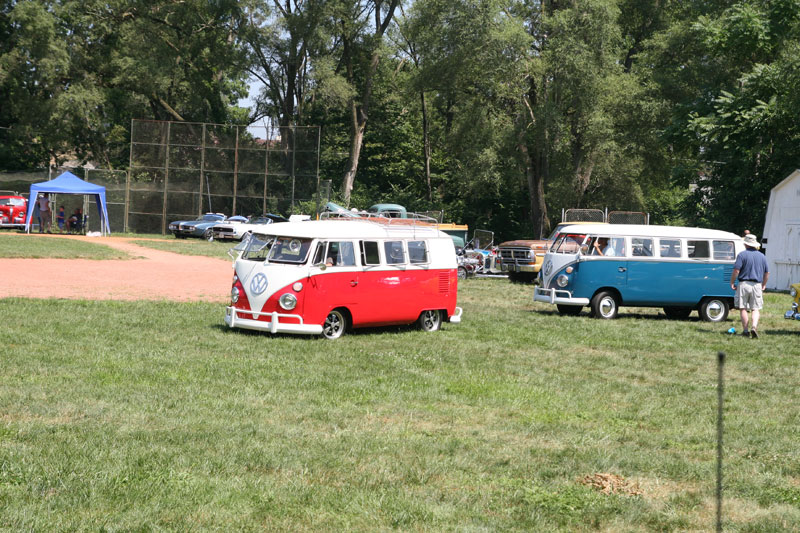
x=335 y=325
x=714 y=310
x=605 y=305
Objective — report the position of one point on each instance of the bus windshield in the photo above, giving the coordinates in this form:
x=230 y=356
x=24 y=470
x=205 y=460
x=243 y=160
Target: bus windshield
x=567 y=243
x=256 y=247
x=289 y=250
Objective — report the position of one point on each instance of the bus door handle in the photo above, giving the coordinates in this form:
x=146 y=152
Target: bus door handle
x=353 y=282
x=622 y=269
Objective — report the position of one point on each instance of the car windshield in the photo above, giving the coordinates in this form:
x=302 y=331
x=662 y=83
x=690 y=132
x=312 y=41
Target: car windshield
x=212 y=218
x=12 y=201
x=259 y=220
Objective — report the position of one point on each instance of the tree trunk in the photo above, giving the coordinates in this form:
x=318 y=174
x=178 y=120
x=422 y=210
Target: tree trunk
x=426 y=146
x=361 y=112
x=356 y=140
x=535 y=162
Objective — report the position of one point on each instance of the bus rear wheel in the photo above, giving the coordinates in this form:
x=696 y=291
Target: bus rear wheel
x=714 y=310
x=430 y=320
x=335 y=325
x=605 y=305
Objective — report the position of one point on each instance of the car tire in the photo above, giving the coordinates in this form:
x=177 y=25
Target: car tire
x=335 y=325
x=569 y=310
x=605 y=305
x=714 y=309
x=678 y=313
x=430 y=320
x=208 y=235
x=462 y=273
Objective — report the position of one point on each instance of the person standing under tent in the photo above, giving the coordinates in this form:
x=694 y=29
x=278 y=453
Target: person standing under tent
x=44 y=213
x=752 y=272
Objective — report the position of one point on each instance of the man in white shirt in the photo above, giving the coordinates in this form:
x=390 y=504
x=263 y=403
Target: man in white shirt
x=44 y=213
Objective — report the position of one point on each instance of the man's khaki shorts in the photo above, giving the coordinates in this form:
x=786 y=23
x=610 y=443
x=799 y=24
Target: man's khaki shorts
x=748 y=296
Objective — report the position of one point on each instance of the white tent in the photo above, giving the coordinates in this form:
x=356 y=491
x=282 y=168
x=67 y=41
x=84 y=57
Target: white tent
x=781 y=237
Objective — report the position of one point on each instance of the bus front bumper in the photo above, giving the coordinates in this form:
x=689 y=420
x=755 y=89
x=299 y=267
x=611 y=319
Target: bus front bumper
x=274 y=325
x=557 y=296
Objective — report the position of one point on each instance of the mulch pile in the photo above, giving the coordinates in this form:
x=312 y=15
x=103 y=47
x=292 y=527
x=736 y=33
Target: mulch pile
x=611 y=484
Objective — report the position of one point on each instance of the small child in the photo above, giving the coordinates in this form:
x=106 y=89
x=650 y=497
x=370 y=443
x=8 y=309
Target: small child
x=61 y=218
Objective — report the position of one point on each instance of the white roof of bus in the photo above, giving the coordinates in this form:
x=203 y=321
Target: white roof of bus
x=350 y=229
x=647 y=230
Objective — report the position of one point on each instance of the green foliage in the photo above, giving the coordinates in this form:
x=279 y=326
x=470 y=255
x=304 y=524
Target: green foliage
x=529 y=107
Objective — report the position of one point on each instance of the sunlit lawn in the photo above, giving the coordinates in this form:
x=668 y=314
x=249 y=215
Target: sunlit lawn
x=16 y=245
x=155 y=416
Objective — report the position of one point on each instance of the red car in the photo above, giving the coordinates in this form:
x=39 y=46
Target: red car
x=12 y=211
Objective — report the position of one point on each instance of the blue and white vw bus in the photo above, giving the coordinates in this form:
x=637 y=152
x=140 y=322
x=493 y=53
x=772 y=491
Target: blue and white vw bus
x=606 y=266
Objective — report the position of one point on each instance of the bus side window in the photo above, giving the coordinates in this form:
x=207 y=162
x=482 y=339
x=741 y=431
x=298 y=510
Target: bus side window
x=698 y=249
x=618 y=245
x=724 y=251
x=393 y=250
x=369 y=253
x=670 y=247
x=346 y=255
x=417 y=253
x=642 y=247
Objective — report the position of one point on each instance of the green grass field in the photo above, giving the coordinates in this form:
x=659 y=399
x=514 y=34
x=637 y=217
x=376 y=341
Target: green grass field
x=17 y=246
x=155 y=416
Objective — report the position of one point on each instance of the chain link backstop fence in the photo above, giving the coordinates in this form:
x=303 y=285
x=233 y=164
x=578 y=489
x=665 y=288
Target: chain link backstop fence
x=179 y=170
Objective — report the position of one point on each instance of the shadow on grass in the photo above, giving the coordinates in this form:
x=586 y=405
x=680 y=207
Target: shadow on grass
x=622 y=315
x=358 y=332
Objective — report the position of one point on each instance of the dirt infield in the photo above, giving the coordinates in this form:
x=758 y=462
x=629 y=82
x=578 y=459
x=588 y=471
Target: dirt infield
x=152 y=275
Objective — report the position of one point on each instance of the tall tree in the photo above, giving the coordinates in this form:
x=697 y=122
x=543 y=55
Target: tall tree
x=361 y=53
x=74 y=72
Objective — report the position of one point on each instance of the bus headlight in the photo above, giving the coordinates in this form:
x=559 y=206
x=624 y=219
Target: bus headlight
x=562 y=280
x=234 y=295
x=288 y=301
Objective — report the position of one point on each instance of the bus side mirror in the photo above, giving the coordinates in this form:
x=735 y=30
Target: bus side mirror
x=585 y=249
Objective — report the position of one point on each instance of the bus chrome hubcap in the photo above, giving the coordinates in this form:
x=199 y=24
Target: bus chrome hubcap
x=714 y=310
x=607 y=306
x=333 y=326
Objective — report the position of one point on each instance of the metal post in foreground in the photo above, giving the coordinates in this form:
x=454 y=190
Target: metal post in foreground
x=720 y=399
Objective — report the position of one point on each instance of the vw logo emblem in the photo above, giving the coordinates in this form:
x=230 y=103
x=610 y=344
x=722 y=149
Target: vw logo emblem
x=259 y=284
x=548 y=268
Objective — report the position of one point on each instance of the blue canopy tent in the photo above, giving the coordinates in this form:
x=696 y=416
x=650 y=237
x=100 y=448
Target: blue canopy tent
x=68 y=183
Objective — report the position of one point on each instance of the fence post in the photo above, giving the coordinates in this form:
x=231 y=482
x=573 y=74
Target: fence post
x=720 y=399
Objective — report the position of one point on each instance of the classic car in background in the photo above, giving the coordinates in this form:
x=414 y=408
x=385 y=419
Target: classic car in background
x=482 y=249
x=12 y=210
x=196 y=228
x=522 y=259
x=794 y=312
x=235 y=230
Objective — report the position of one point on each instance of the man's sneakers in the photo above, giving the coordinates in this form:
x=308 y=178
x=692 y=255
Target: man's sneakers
x=753 y=334
x=745 y=333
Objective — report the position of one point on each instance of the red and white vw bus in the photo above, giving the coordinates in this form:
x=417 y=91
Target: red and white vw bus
x=325 y=276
